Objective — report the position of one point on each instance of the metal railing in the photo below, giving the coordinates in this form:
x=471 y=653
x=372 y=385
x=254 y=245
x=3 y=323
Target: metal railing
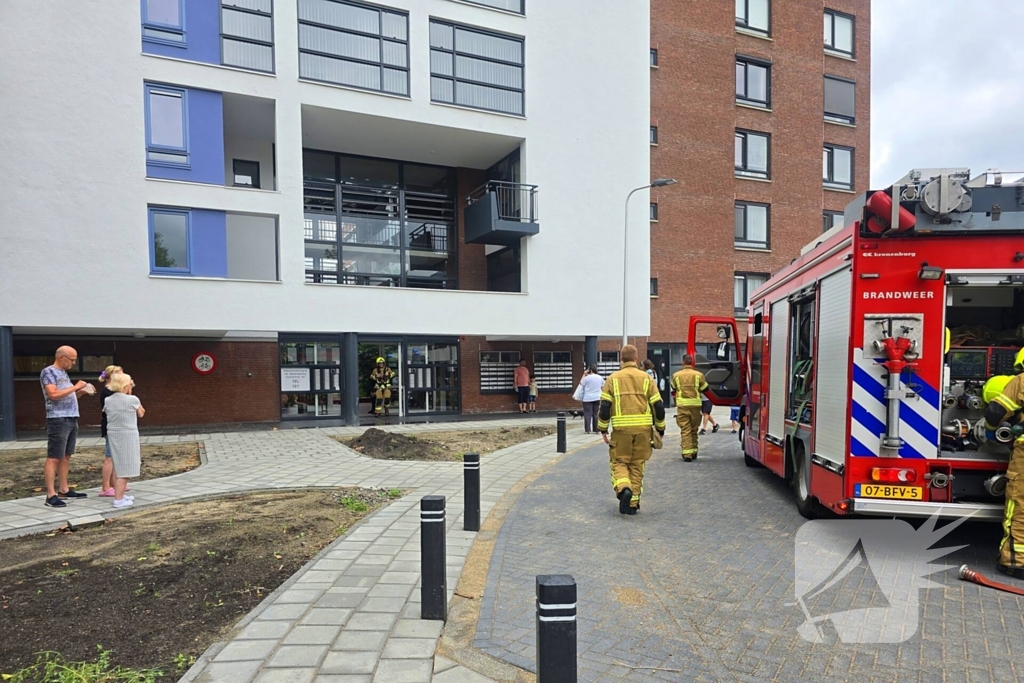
x=516 y=201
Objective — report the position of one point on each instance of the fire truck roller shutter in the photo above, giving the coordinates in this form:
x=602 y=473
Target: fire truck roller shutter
x=779 y=348
x=831 y=409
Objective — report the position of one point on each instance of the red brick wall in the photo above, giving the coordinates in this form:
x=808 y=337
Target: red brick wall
x=475 y=402
x=472 y=259
x=693 y=105
x=171 y=391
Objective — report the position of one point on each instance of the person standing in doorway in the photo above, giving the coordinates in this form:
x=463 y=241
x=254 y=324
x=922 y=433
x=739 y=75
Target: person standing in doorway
x=591 y=384
x=521 y=381
x=381 y=378
x=61 y=397
x=688 y=386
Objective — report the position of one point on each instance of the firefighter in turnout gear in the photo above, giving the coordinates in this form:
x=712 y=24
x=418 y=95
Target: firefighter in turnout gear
x=632 y=405
x=688 y=385
x=381 y=378
x=1008 y=407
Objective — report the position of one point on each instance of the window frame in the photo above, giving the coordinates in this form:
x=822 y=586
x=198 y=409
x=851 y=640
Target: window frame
x=654 y=58
x=839 y=118
x=167 y=149
x=830 y=216
x=745 y=275
x=654 y=287
x=379 y=36
x=853 y=33
x=745 y=25
x=743 y=171
x=747 y=62
x=257 y=185
x=827 y=178
x=654 y=135
x=483 y=3
x=654 y=212
x=161 y=270
x=747 y=243
x=74 y=373
x=252 y=41
x=455 y=80
x=165 y=28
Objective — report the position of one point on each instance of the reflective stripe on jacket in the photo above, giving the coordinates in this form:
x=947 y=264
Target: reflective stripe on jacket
x=630 y=402
x=688 y=385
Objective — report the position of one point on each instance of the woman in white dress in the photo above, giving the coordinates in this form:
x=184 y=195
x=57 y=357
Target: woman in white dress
x=122 y=411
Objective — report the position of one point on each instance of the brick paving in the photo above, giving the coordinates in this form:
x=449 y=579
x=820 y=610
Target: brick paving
x=700 y=585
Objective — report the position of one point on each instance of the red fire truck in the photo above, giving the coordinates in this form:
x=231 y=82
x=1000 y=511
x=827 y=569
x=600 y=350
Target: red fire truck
x=867 y=364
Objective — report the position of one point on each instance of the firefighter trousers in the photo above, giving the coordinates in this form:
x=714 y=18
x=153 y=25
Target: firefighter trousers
x=1011 y=548
x=381 y=399
x=628 y=454
x=688 y=419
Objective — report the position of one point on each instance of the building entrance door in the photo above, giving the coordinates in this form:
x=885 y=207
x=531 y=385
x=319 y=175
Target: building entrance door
x=660 y=356
x=391 y=352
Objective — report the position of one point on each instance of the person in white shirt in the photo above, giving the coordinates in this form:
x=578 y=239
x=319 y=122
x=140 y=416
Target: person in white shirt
x=591 y=384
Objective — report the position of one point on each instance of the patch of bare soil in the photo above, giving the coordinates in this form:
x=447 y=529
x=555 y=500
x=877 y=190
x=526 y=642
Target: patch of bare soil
x=440 y=446
x=21 y=471
x=159 y=587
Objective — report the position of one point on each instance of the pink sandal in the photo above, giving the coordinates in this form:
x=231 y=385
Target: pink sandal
x=109 y=493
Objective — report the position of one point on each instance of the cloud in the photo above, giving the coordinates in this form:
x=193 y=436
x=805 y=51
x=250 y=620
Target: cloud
x=947 y=86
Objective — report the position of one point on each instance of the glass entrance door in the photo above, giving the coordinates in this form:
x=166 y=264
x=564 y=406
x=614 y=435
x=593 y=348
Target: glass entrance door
x=369 y=352
x=310 y=378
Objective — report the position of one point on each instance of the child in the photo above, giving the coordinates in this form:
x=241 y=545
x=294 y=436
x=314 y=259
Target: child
x=734 y=418
x=533 y=394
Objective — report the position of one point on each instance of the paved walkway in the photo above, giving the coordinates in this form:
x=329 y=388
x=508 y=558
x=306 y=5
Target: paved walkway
x=352 y=614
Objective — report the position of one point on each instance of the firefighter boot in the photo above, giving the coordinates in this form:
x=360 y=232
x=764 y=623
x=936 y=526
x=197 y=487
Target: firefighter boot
x=625 y=495
x=1011 y=548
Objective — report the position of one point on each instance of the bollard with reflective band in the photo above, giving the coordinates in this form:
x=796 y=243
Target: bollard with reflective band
x=434 y=591
x=556 y=628
x=471 y=488
x=561 y=432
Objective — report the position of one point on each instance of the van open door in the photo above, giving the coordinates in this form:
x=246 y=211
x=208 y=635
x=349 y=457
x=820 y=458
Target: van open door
x=715 y=347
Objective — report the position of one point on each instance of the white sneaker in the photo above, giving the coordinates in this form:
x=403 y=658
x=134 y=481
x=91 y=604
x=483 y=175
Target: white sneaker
x=124 y=502
x=127 y=497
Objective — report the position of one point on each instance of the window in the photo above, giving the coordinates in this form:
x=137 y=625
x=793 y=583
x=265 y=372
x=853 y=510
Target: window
x=170 y=241
x=607 y=362
x=754 y=15
x=831 y=219
x=310 y=378
x=744 y=284
x=654 y=135
x=553 y=370
x=837 y=167
x=476 y=69
x=247 y=34
x=356 y=45
x=840 y=105
x=166 y=126
x=751 y=225
x=654 y=211
x=246 y=173
x=432 y=377
x=838 y=32
x=89 y=365
x=251 y=247
x=753 y=82
x=162 y=22
x=654 y=286
x=507 y=5
x=752 y=154
x=654 y=58
x=496 y=368
x=504 y=272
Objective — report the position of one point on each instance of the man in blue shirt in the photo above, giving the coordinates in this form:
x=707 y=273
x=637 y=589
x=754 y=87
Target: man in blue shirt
x=61 y=397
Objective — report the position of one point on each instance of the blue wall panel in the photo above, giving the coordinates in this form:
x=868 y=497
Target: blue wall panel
x=205 y=141
x=202 y=34
x=209 y=243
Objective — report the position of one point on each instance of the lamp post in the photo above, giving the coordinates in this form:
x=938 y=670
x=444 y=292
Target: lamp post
x=660 y=182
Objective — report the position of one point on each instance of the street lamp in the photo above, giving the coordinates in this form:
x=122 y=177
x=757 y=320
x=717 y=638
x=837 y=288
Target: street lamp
x=660 y=182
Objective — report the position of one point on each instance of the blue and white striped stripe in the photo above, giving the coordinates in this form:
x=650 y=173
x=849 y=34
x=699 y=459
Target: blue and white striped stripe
x=919 y=416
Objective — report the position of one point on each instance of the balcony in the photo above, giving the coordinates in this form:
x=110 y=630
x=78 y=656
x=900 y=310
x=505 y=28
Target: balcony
x=501 y=213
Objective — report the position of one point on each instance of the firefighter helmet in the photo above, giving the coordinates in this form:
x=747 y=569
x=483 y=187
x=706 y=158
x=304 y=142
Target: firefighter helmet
x=1018 y=362
x=994 y=387
x=379 y=360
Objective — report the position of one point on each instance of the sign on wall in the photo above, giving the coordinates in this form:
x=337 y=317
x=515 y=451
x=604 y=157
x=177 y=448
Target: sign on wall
x=204 y=363
x=294 y=379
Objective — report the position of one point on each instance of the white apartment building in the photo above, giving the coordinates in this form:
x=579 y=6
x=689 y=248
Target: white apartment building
x=244 y=202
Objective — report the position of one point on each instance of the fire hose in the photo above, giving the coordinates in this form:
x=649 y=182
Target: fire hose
x=968 y=574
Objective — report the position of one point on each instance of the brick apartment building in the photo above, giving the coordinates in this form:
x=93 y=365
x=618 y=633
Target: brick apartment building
x=800 y=103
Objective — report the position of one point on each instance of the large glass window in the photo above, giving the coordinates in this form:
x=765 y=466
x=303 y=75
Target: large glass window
x=745 y=284
x=831 y=219
x=751 y=225
x=170 y=240
x=754 y=15
x=310 y=378
x=432 y=377
x=476 y=69
x=839 y=32
x=840 y=100
x=247 y=34
x=753 y=82
x=752 y=154
x=507 y=5
x=504 y=270
x=352 y=44
x=163 y=21
x=837 y=167
x=383 y=223
x=166 y=126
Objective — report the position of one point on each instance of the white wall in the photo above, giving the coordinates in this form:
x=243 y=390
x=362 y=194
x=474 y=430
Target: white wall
x=73 y=173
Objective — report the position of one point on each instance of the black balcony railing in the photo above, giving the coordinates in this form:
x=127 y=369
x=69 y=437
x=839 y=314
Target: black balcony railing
x=516 y=201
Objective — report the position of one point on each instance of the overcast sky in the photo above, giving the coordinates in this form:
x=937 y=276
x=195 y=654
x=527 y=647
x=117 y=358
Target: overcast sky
x=947 y=86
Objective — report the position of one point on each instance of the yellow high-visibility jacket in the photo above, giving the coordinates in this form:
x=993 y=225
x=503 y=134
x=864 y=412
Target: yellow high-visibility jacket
x=1007 y=404
x=630 y=402
x=688 y=385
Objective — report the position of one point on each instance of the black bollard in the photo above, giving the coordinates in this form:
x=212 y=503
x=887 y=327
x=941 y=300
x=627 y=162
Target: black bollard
x=556 y=629
x=434 y=591
x=561 y=432
x=471 y=472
